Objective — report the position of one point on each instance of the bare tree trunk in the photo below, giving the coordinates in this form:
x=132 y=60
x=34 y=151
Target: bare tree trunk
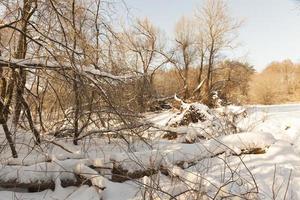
x=77 y=101
x=141 y=93
x=185 y=83
x=3 y=116
x=20 y=54
x=4 y=111
x=209 y=74
x=200 y=74
x=30 y=121
x=77 y=110
x=20 y=76
x=9 y=138
x=186 y=58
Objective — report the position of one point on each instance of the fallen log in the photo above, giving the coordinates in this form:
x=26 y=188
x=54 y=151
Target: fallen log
x=48 y=175
x=136 y=165
x=122 y=175
x=44 y=185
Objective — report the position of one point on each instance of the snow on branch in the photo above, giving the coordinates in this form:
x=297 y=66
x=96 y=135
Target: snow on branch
x=49 y=65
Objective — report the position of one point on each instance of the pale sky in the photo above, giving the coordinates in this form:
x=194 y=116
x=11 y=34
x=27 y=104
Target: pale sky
x=271 y=29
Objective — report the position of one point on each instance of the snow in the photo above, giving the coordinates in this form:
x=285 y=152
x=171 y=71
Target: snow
x=175 y=153
x=118 y=191
x=220 y=164
x=70 y=193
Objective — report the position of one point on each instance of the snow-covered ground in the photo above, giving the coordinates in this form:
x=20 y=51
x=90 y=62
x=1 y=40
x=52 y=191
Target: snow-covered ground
x=177 y=160
x=291 y=108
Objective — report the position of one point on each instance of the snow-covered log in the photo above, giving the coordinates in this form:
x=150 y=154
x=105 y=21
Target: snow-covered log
x=135 y=165
x=49 y=175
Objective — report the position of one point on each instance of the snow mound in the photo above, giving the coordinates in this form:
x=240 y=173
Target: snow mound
x=192 y=113
x=196 y=121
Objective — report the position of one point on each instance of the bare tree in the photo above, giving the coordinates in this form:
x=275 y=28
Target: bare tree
x=232 y=80
x=185 y=50
x=63 y=70
x=202 y=53
x=145 y=45
x=220 y=31
x=17 y=78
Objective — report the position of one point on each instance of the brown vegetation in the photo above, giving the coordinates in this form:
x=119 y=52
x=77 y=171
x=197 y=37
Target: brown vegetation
x=278 y=83
x=231 y=81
